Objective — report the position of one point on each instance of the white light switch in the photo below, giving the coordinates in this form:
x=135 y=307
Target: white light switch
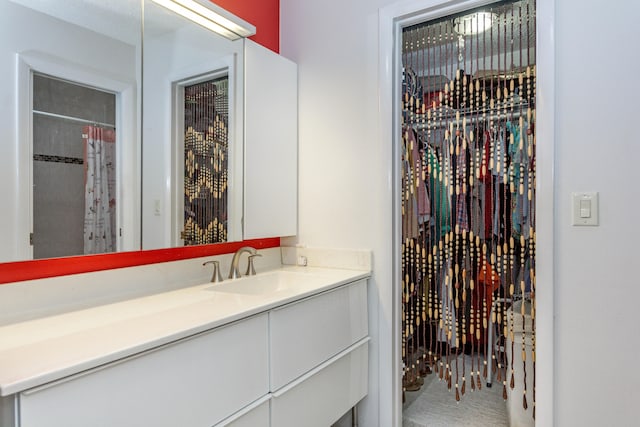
x=585 y=208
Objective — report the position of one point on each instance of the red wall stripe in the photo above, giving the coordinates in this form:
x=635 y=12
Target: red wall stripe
x=264 y=14
x=29 y=270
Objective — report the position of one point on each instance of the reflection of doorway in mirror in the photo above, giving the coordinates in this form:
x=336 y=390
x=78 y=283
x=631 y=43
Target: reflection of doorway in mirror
x=74 y=169
x=206 y=144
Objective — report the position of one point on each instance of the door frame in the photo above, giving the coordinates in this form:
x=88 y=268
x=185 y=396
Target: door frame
x=391 y=21
x=174 y=89
x=127 y=140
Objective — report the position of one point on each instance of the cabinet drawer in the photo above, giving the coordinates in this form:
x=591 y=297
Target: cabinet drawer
x=256 y=415
x=308 y=332
x=193 y=382
x=322 y=397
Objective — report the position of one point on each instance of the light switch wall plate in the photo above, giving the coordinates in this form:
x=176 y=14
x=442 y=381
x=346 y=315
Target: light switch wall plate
x=584 y=209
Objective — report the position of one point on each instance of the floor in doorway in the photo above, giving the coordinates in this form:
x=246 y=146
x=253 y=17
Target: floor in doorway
x=434 y=405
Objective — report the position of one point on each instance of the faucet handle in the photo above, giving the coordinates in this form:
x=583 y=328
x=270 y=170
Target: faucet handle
x=216 y=277
x=251 y=270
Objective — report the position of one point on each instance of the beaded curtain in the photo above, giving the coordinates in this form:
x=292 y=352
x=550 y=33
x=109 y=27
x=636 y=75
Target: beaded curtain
x=206 y=139
x=468 y=199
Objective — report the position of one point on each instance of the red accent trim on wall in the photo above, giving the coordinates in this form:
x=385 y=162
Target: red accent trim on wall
x=40 y=269
x=264 y=14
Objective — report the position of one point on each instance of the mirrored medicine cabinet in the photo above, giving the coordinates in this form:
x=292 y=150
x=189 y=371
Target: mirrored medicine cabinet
x=128 y=127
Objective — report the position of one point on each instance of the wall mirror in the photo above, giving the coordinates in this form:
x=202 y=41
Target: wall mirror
x=95 y=128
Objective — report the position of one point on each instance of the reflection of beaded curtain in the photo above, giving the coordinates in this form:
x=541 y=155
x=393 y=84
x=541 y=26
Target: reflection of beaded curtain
x=468 y=201
x=206 y=120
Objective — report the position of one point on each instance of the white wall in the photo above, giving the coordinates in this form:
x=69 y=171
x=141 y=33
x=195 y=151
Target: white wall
x=71 y=47
x=596 y=347
x=345 y=189
x=344 y=193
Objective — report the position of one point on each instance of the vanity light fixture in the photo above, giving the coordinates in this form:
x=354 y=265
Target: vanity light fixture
x=210 y=16
x=474 y=23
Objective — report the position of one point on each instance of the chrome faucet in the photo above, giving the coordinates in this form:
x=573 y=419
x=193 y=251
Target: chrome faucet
x=234 y=273
x=216 y=276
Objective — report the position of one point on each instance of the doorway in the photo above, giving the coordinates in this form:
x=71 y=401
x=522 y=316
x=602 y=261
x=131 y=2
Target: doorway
x=202 y=135
x=74 y=169
x=468 y=214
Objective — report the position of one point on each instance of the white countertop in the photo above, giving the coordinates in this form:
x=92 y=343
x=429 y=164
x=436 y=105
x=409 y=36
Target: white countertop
x=39 y=351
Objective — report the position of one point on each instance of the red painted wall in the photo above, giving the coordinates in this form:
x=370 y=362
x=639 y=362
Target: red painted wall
x=264 y=14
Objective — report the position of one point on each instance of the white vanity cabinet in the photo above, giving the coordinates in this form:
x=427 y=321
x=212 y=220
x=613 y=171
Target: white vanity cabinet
x=311 y=331
x=319 y=357
x=194 y=382
x=293 y=361
x=255 y=415
x=271 y=144
x=322 y=396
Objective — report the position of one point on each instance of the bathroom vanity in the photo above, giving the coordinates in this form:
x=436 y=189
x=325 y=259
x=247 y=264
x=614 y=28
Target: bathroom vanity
x=287 y=347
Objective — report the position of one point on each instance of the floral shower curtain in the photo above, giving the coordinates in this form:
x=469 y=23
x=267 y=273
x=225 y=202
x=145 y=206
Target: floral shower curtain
x=99 y=190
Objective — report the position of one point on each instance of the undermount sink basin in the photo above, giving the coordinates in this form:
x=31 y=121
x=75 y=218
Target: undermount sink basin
x=269 y=283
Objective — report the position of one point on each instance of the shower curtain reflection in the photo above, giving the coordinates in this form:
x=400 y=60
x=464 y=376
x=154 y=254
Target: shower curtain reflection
x=99 y=190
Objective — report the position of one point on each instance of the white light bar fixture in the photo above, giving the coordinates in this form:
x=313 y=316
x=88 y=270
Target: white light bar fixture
x=210 y=16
